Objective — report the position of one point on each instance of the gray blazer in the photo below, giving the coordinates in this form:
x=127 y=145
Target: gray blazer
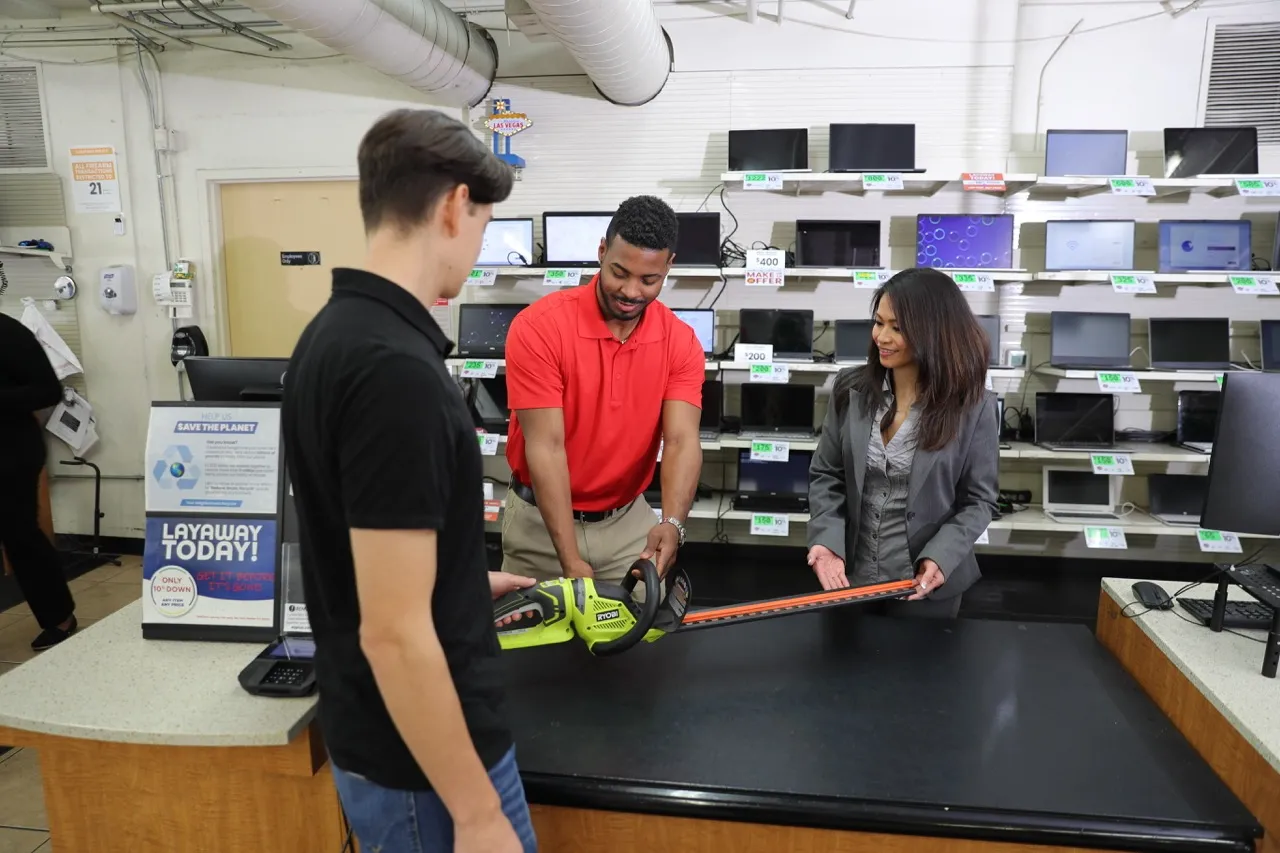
x=951 y=496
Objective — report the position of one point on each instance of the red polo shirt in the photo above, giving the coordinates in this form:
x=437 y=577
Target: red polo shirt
x=560 y=355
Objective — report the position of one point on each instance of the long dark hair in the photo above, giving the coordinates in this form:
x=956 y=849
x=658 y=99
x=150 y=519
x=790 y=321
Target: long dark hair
x=950 y=348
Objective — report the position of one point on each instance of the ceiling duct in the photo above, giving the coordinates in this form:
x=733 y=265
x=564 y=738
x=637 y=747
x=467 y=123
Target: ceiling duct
x=421 y=43
x=619 y=43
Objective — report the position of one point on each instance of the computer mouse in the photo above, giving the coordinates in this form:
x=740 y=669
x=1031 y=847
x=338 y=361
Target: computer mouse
x=1152 y=596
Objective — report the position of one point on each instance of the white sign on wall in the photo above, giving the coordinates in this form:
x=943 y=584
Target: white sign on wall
x=95 y=182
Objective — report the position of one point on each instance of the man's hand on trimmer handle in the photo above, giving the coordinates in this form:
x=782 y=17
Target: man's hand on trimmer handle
x=661 y=547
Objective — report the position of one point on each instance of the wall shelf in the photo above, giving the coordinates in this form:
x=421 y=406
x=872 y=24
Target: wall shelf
x=60 y=260
x=1143 y=375
x=587 y=272
x=1045 y=187
x=1137 y=451
x=917 y=184
x=1092 y=276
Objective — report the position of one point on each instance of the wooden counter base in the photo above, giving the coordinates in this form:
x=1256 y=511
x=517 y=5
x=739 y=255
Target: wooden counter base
x=134 y=798
x=566 y=830
x=1237 y=763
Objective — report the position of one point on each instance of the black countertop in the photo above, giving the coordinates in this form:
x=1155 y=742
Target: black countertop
x=993 y=730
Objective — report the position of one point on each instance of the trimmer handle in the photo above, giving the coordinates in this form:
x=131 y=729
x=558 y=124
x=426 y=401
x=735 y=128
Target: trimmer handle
x=648 y=610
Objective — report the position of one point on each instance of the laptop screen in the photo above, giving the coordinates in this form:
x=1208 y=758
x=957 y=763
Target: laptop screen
x=698 y=240
x=703 y=323
x=990 y=324
x=712 y=404
x=785 y=479
x=1190 y=343
x=780 y=150
x=1077 y=488
x=961 y=241
x=1192 y=151
x=1088 y=245
x=507 y=242
x=780 y=407
x=1081 y=339
x=573 y=239
x=1177 y=494
x=491 y=400
x=1269 y=331
x=1190 y=245
x=853 y=339
x=837 y=243
x=1198 y=416
x=1085 y=153
x=789 y=331
x=1075 y=417
x=873 y=148
x=482 y=329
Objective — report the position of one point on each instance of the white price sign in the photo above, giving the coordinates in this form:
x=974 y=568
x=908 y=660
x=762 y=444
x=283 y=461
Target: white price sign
x=882 y=181
x=1218 y=542
x=561 y=278
x=1258 y=186
x=777 y=374
x=974 y=282
x=1105 y=537
x=770 y=451
x=488 y=443
x=1128 y=282
x=483 y=278
x=1254 y=284
x=870 y=279
x=479 y=368
x=1131 y=186
x=762 y=181
x=1112 y=463
x=770 y=525
x=753 y=353
x=984 y=538
x=1119 y=382
x=766 y=268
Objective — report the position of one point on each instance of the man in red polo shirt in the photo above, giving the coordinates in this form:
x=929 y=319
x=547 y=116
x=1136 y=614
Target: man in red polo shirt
x=597 y=376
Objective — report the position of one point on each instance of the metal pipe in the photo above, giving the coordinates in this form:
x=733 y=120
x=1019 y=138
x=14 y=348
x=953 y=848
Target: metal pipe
x=153 y=6
x=849 y=14
x=133 y=27
x=1045 y=67
x=753 y=10
x=205 y=14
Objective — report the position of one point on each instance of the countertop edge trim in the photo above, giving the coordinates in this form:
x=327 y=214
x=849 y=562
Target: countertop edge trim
x=266 y=739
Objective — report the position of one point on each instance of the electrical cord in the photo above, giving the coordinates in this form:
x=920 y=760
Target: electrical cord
x=4 y=279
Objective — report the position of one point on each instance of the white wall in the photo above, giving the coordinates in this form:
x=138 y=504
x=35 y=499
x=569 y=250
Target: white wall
x=966 y=71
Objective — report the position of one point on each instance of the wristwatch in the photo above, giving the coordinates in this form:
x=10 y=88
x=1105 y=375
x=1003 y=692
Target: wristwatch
x=675 y=522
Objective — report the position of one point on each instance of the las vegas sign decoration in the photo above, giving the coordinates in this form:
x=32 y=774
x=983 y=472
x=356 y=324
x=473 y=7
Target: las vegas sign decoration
x=506 y=124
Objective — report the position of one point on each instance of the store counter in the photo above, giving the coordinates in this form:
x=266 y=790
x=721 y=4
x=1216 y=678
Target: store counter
x=147 y=745
x=1210 y=685
x=845 y=731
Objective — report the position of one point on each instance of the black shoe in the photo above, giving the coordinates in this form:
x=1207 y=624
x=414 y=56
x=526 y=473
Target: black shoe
x=50 y=637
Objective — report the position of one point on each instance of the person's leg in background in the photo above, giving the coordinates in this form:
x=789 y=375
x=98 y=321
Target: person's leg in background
x=36 y=564
x=387 y=821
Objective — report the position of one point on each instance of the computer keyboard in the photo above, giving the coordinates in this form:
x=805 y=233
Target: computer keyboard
x=1240 y=614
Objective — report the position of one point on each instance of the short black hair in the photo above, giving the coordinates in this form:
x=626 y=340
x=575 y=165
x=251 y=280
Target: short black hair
x=410 y=159
x=646 y=222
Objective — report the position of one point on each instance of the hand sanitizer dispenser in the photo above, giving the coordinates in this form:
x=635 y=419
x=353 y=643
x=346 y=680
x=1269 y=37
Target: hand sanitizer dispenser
x=117 y=291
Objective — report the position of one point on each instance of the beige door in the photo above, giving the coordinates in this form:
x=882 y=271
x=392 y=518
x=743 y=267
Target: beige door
x=268 y=303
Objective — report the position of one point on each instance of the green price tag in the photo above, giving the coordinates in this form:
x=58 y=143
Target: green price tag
x=965 y=278
x=865 y=275
x=764 y=520
x=473 y=364
x=761 y=447
x=1218 y=377
x=1250 y=184
x=1210 y=536
x=1099 y=459
x=1111 y=378
x=753 y=178
x=762 y=369
x=554 y=274
x=1123 y=279
x=1126 y=183
x=476 y=274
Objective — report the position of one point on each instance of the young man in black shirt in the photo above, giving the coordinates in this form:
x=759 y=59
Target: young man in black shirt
x=387 y=481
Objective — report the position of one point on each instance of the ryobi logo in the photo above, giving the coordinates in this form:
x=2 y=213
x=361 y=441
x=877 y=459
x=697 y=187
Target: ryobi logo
x=608 y=615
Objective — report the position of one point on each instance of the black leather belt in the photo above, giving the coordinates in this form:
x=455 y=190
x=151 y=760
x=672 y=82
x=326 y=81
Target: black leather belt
x=525 y=493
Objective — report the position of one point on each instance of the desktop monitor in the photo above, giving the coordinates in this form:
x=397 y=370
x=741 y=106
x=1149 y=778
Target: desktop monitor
x=1088 y=244
x=1189 y=343
x=1215 y=245
x=1244 y=470
x=1085 y=153
x=790 y=332
x=235 y=380
x=778 y=150
x=1088 y=340
x=698 y=240
x=507 y=242
x=573 y=239
x=1192 y=151
x=964 y=241
x=703 y=323
x=872 y=148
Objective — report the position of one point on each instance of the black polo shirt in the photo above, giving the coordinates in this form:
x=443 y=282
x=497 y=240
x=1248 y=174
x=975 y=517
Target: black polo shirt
x=377 y=436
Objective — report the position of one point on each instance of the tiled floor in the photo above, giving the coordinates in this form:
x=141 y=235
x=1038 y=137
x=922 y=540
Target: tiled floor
x=24 y=828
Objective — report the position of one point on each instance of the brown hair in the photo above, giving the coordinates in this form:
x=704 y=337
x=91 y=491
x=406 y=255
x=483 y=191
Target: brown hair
x=950 y=348
x=410 y=159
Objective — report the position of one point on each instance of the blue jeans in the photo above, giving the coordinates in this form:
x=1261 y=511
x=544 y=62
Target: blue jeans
x=388 y=821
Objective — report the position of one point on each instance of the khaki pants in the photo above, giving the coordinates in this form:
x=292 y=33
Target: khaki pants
x=610 y=546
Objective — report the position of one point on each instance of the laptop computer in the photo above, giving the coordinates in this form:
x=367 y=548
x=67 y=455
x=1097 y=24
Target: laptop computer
x=1193 y=151
x=703 y=323
x=964 y=241
x=1087 y=340
x=873 y=148
x=712 y=409
x=769 y=150
x=573 y=239
x=1176 y=499
x=482 y=329
x=487 y=399
x=1085 y=153
x=1269 y=333
x=1194 y=245
x=783 y=412
x=837 y=243
x=1198 y=419
x=507 y=243
x=773 y=486
x=853 y=341
x=1189 y=343
x=789 y=331
x=1093 y=244
x=990 y=324
x=698 y=240
x=1069 y=422
x=1079 y=495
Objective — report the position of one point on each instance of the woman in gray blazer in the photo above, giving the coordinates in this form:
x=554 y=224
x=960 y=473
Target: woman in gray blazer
x=904 y=478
